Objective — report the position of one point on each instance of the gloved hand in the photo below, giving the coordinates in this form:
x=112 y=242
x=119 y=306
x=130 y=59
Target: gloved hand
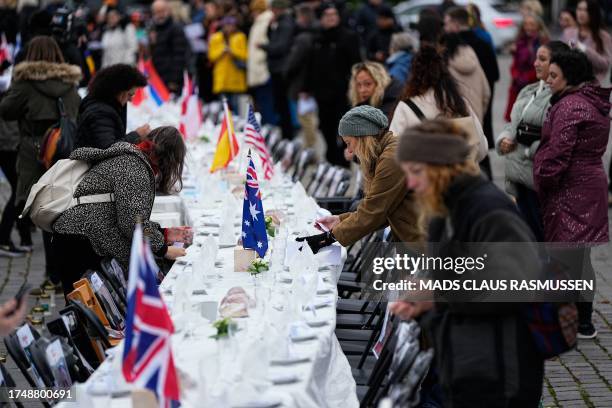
x=316 y=242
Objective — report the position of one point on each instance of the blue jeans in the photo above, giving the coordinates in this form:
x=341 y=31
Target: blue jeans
x=264 y=103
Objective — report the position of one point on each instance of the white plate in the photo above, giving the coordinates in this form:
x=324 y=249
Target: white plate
x=317 y=323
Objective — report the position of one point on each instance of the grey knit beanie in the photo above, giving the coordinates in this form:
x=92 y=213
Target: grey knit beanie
x=362 y=120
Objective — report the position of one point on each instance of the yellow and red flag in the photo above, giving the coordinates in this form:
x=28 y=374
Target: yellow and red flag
x=227 y=144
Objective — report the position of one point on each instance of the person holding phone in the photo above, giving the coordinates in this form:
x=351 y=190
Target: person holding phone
x=12 y=313
x=386 y=201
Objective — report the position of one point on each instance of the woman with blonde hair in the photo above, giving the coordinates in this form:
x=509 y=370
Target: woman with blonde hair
x=532 y=35
x=503 y=364
x=386 y=199
x=371 y=85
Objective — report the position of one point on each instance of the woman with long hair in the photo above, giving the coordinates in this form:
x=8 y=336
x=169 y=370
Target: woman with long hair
x=464 y=67
x=371 y=85
x=590 y=37
x=568 y=172
x=103 y=112
x=132 y=174
x=485 y=354
x=520 y=138
x=32 y=100
x=432 y=92
x=386 y=200
x=532 y=34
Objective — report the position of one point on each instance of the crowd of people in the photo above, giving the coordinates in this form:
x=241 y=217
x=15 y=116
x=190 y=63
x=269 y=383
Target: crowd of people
x=413 y=109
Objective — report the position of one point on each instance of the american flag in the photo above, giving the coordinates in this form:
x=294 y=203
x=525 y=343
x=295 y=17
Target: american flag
x=254 y=234
x=147 y=353
x=253 y=137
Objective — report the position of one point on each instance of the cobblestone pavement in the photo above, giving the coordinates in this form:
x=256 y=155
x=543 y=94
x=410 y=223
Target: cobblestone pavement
x=581 y=378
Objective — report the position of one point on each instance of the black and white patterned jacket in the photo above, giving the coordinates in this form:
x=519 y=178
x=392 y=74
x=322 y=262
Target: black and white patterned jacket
x=123 y=170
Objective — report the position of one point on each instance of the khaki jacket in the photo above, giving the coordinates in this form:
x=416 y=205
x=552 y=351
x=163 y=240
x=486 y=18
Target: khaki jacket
x=386 y=202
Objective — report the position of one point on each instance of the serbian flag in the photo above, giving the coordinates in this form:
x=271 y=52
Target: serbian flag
x=227 y=145
x=191 y=109
x=157 y=89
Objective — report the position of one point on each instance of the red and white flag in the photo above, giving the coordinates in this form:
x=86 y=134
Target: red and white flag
x=253 y=137
x=191 y=109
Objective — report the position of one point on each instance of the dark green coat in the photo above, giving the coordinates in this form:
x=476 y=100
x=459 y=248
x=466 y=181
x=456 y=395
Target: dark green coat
x=32 y=101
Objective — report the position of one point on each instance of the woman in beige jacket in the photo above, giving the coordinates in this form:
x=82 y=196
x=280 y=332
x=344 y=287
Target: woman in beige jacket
x=464 y=67
x=434 y=93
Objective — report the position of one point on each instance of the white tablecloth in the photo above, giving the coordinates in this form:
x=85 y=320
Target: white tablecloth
x=324 y=379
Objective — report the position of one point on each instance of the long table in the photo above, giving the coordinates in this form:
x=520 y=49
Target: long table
x=281 y=355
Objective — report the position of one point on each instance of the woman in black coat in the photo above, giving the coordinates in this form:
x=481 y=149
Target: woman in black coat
x=103 y=112
x=485 y=353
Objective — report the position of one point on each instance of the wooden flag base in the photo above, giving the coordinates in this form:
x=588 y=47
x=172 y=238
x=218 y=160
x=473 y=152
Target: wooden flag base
x=243 y=259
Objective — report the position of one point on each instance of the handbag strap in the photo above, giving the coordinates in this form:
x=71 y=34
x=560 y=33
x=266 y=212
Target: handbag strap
x=60 y=107
x=94 y=198
x=417 y=111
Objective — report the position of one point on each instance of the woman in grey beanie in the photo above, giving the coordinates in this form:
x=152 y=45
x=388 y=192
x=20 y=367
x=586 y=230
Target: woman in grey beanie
x=386 y=200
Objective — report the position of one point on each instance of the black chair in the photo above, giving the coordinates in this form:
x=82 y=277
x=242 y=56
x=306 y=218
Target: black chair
x=23 y=359
x=7 y=383
x=317 y=178
x=96 y=333
x=305 y=159
x=73 y=371
x=337 y=202
x=114 y=309
x=115 y=275
x=290 y=155
x=67 y=326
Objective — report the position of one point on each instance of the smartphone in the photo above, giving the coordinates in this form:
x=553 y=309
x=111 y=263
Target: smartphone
x=23 y=290
x=321 y=227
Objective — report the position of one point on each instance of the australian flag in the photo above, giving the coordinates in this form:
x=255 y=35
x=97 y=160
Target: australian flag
x=147 y=352
x=254 y=235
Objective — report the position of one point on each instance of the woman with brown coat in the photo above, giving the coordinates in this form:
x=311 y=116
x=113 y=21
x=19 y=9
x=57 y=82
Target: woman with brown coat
x=386 y=200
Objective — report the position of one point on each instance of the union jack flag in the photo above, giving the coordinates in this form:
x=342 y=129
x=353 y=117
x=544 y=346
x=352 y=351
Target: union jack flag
x=147 y=353
x=254 y=234
x=253 y=137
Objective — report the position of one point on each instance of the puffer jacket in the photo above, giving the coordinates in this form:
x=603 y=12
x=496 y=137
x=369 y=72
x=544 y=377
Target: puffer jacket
x=519 y=162
x=170 y=53
x=470 y=77
x=386 y=201
x=227 y=77
x=123 y=170
x=120 y=46
x=102 y=123
x=257 y=64
x=32 y=102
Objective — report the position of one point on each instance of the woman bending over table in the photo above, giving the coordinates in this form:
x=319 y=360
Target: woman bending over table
x=386 y=201
x=86 y=233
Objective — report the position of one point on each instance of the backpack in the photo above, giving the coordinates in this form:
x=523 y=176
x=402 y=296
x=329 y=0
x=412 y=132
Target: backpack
x=553 y=325
x=54 y=193
x=58 y=141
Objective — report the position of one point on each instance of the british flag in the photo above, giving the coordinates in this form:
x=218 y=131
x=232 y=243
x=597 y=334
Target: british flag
x=254 y=234
x=253 y=137
x=147 y=352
